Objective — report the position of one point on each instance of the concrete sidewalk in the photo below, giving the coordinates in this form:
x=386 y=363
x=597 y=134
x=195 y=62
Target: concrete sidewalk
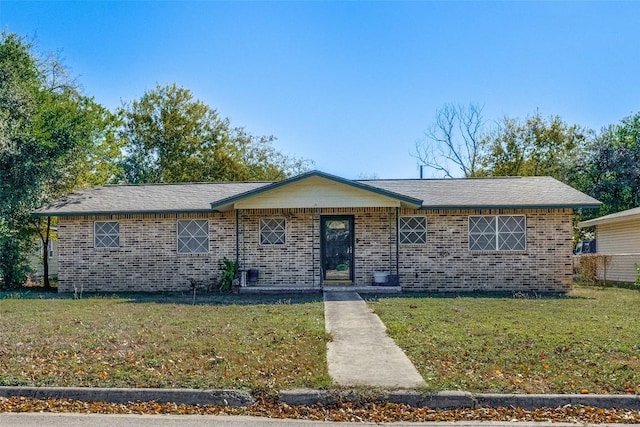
x=361 y=353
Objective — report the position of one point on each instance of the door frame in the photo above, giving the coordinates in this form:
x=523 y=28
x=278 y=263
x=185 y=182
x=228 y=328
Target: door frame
x=351 y=219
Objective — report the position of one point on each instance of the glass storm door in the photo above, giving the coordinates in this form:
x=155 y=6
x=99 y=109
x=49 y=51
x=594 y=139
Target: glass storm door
x=337 y=248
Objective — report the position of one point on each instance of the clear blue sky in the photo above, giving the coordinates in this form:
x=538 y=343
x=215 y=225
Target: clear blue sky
x=351 y=85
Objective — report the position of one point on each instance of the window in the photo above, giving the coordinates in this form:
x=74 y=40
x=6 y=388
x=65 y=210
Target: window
x=193 y=236
x=272 y=231
x=498 y=233
x=413 y=230
x=106 y=234
x=49 y=248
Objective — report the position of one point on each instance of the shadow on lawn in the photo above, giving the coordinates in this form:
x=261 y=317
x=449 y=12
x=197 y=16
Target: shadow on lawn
x=185 y=297
x=476 y=294
x=215 y=298
x=222 y=298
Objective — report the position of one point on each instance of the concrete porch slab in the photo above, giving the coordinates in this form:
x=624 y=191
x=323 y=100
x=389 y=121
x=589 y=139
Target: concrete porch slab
x=279 y=290
x=292 y=289
x=363 y=289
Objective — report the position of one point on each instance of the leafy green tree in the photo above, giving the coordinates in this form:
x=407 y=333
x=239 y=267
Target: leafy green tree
x=48 y=132
x=610 y=168
x=534 y=147
x=168 y=136
x=460 y=142
x=18 y=104
x=82 y=151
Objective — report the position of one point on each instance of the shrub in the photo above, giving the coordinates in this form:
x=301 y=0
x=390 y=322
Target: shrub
x=229 y=270
x=588 y=269
x=589 y=265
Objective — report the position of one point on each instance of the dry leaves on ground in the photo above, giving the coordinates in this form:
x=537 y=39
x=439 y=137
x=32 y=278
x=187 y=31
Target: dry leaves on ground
x=368 y=412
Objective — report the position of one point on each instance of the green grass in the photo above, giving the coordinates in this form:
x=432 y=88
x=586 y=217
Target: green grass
x=226 y=341
x=588 y=342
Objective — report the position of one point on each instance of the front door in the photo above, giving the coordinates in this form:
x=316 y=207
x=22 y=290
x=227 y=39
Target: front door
x=336 y=245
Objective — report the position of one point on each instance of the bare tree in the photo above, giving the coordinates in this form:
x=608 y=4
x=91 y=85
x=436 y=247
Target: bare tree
x=57 y=76
x=455 y=141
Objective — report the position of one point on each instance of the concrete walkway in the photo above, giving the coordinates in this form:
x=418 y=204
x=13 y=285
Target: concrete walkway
x=361 y=353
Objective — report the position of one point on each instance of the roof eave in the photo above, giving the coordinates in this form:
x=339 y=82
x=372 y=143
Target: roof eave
x=229 y=206
x=585 y=224
x=603 y=220
x=521 y=207
x=109 y=213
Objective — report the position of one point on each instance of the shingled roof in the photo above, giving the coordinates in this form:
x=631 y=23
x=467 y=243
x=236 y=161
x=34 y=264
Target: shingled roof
x=474 y=193
x=148 y=198
x=499 y=192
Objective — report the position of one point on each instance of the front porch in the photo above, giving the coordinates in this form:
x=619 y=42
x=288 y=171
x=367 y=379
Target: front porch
x=312 y=248
x=318 y=230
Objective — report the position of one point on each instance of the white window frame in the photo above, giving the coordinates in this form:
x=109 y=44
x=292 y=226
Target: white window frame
x=404 y=231
x=182 y=246
x=498 y=235
x=102 y=238
x=282 y=239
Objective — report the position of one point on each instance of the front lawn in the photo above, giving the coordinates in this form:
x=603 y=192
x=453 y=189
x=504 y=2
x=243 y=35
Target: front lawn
x=228 y=342
x=587 y=343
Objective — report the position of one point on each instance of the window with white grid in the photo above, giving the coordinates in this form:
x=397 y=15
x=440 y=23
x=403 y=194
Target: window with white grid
x=273 y=231
x=498 y=233
x=106 y=234
x=413 y=230
x=193 y=236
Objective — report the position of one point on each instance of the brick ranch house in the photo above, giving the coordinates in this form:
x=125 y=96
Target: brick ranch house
x=316 y=229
